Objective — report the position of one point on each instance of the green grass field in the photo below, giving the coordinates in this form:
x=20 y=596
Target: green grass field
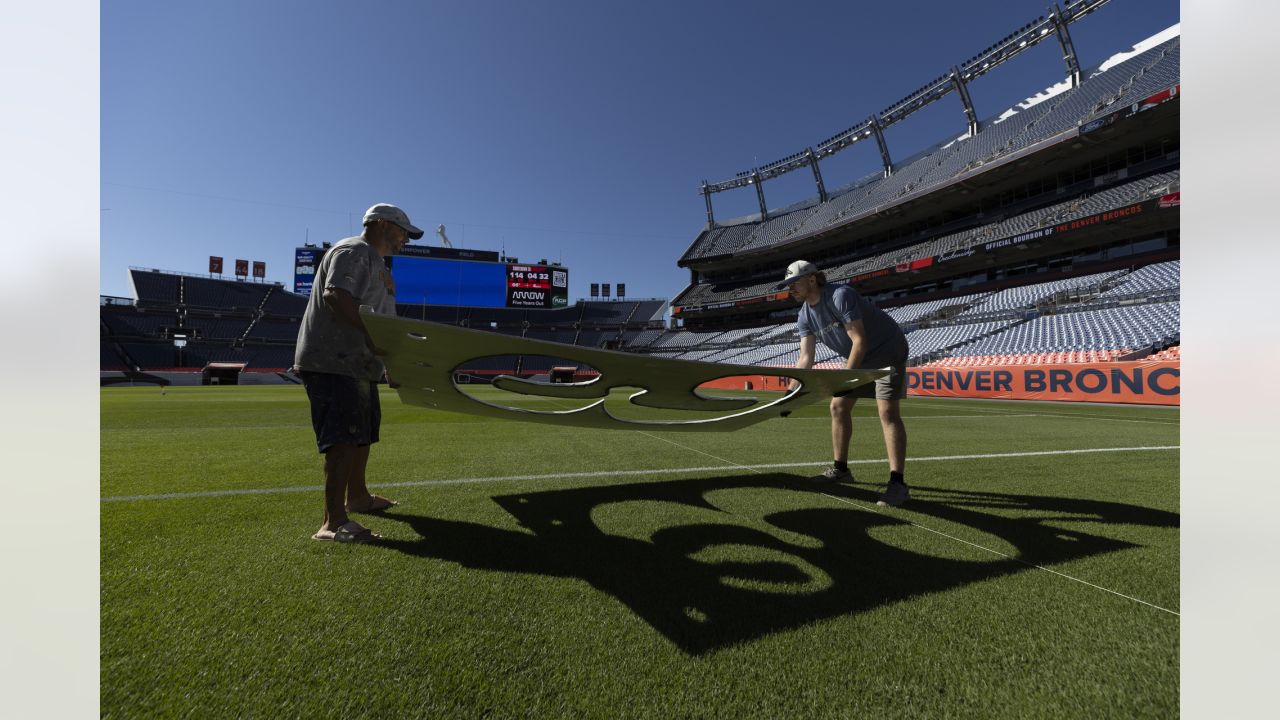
x=544 y=572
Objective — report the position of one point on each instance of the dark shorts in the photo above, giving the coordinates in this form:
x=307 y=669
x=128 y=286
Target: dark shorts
x=344 y=410
x=886 y=388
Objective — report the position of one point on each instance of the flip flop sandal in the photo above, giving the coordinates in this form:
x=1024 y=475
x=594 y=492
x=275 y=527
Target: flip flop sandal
x=352 y=532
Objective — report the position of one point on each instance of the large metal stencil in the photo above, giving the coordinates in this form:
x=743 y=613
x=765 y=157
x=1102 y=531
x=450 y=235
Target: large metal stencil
x=422 y=358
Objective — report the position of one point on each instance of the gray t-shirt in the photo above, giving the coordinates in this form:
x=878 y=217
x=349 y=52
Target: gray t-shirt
x=840 y=305
x=327 y=344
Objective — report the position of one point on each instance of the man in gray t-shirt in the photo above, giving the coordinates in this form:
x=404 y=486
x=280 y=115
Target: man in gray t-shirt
x=868 y=339
x=340 y=368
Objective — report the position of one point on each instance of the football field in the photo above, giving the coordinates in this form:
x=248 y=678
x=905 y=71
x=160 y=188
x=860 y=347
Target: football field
x=534 y=571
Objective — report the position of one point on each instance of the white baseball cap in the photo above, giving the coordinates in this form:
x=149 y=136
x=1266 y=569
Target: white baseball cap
x=795 y=271
x=391 y=213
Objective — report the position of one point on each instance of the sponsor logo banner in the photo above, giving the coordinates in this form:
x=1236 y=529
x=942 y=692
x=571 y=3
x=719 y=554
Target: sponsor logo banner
x=304 y=268
x=869 y=275
x=1020 y=238
x=771 y=297
x=956 y=255
x=1146 y=103
x=445 y=253
x=1171 y=200
x=1141 y=382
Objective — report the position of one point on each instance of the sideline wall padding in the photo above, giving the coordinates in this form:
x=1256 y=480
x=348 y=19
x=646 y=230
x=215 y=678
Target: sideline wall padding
x=1141 y=382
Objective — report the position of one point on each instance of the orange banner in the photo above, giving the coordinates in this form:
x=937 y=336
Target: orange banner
x=1141 y=382
x=747 y=382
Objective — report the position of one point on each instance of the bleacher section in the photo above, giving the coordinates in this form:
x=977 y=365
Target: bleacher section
x=1119 y=196
x=274 y=329
x=1029 y=296
x=285 y=304
x=1041 y=118
x=219 y=328
x=914 y=312
x=1157 y=280
x=1120 y=328
x=257 y=323
x=154 y=287
x=1083 y=328
x=151 y=355
x=136 y=322
x=615 y=313
x=924 y=342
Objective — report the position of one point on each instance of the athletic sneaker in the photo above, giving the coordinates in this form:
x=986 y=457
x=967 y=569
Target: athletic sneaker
x=832 y=474
x=895 y=494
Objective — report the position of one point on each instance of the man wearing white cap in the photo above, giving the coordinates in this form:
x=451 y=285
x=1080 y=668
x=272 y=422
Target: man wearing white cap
x=868 y=339
x=340 y=367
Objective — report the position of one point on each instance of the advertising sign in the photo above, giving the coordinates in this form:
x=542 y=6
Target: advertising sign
x=1141 y=382
x=305 y=260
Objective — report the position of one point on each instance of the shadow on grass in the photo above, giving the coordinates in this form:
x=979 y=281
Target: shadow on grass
x=730 y=596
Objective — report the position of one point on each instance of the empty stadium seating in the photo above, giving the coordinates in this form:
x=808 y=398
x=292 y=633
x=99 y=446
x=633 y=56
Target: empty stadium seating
x=1153 y=280
x=1118 y=328
x=1036 y=120
x=1029 y=296
x=1126 y=193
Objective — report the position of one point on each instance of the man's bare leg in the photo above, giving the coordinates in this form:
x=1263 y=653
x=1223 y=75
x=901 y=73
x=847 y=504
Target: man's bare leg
x=337 y=469
x=895 y=433
x=359 y=498
x=841 y=426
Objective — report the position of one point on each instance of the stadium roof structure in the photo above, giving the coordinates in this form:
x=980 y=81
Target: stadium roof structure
x=1065 y=110
x=955 y=79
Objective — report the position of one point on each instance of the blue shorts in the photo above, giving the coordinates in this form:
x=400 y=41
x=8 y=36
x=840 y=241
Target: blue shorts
x=344 y=410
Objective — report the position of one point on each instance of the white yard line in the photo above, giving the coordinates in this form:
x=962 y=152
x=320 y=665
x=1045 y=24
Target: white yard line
x=729 y=465
x=1010 y=557
x=1109 y=418
x=928 y=417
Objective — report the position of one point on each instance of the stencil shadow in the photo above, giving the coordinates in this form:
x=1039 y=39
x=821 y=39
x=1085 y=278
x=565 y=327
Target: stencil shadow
x=823 y=561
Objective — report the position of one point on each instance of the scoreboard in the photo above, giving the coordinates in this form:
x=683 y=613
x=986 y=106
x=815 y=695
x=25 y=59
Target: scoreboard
x=466 y=283
x=465 y=278
x=537 y=286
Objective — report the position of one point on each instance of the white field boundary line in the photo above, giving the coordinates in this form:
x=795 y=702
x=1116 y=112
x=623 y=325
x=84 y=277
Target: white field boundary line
x=730 y=465
x=434 y=423
x=870 y=508
x=827 y=418
x=1011 y=557
x=1109 y=418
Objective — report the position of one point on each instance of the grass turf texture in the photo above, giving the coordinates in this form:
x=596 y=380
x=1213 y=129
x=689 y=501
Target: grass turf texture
x=724 y=592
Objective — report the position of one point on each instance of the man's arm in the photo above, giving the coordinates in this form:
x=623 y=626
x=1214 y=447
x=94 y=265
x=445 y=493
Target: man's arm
x=347 y=311
x=805 y=361
x=858 y=336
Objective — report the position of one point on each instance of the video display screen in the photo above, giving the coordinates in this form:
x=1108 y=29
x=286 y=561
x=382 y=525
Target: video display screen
x=431 y=281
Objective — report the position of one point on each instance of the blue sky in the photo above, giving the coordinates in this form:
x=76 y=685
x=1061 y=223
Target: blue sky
x=577 y=131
